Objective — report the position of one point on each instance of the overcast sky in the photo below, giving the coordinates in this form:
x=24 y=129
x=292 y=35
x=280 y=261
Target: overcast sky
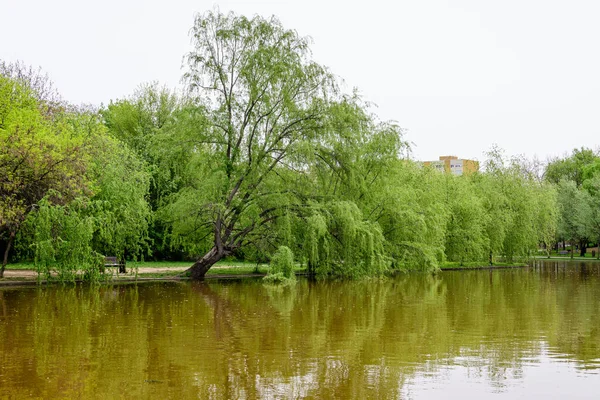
x=458 y=75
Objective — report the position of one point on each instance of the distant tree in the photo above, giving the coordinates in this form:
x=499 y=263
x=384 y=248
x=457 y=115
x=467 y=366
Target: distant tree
x=571 y=168
x=546 y=220
x=465 y=232
x=520 y=208
x=409 y=203
x=112 y=219
x=575 y=215
x=148 y=123
x=49 y=100
x=39 y=159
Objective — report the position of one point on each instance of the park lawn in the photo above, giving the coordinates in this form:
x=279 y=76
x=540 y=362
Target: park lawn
x=478 y=264
x=566 y=258
x=187 y=264
x=21 y=265
x=223 y=267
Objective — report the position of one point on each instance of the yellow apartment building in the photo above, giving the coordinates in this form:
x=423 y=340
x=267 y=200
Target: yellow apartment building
x=455 y=165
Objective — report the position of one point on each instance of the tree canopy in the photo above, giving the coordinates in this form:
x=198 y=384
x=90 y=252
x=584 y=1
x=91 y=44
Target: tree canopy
x=39 y=158
x=68 y=191
x=261 y=157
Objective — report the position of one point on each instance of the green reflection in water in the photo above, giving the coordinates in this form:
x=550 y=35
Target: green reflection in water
x=325 y=340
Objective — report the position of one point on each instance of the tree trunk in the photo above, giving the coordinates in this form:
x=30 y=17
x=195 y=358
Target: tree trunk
x=571 y=251
x=582 y=248
x=203 y=264
x=6 y=251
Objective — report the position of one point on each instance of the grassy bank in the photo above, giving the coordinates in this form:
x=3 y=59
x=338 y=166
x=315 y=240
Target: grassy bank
x=450 y=265
x=164 y=269
x=565 y=258
x=229 y=268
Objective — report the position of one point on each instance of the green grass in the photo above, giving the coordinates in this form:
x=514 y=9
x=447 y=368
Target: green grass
x=223 y=267
x=234 y=267
x=239 y=270
x=187 y=264
x=566 y=258
x=158 y=264
x=554 y=254
x=21 y=265
x=557 y=254
x=478 y=264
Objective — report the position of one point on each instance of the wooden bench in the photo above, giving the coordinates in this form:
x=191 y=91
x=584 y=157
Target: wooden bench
x=563 y=252
x=115 y=262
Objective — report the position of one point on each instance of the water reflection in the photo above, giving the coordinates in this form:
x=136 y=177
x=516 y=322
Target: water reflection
x=417 y=336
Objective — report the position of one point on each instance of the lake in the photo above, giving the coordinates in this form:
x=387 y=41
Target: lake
x=507 y=333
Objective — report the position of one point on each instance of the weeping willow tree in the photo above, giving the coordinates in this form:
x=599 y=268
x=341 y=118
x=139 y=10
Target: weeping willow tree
x=272 y=115
x=412 y=212
x=339 y=241
x=62 y=241
x=362 y=221
x=521 y=210
x=465 y=237
x=264 y=98
x=281 y=267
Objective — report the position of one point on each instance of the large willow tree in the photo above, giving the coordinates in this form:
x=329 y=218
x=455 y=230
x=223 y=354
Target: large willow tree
x=265 y=102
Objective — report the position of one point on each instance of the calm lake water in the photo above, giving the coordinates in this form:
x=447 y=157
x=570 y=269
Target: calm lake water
x=513 y=333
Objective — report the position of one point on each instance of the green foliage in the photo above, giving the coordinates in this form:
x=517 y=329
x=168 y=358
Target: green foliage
x=575 y=212
x=281 y=269
x=68 y=191
x=340 y=242
x=37 y=156
x=119 y=208
x=577 y=178
x=151 y=123
x=62 y=242
x=465 y=235
x=573 y=168
x=262 y=155
x=547 y=215
x=283 y=262
x=41 y=156
x=69 y=240
x=408 y=202
x=263 y=101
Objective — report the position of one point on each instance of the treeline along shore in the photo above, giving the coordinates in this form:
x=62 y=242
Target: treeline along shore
x=262 y=157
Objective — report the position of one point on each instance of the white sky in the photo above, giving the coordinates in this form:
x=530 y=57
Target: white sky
x=459 y=75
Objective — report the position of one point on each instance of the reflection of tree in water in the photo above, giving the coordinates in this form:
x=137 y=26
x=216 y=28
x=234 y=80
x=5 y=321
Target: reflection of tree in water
x=330 y=339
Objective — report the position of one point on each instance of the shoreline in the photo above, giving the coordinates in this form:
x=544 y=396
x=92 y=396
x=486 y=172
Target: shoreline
x=28 y=277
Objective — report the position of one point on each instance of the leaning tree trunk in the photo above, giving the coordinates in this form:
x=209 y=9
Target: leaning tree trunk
x=203 y=264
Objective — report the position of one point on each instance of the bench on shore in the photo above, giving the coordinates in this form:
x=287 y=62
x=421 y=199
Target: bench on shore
x=563 y=252
x=115 y=262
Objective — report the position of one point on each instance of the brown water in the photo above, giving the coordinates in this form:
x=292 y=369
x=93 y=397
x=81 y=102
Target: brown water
x=530 y=333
